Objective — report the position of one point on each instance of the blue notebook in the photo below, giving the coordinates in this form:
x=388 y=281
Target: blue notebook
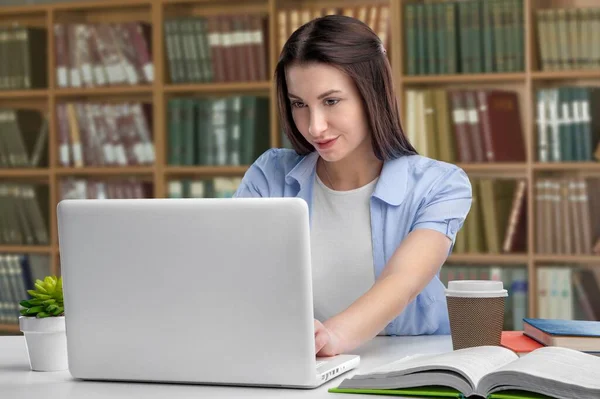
x=573 y=334
x=573 y=328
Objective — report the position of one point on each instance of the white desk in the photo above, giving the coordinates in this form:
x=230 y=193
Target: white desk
x=17 y=381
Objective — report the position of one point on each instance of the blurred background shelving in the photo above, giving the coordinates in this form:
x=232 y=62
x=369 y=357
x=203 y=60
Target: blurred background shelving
x=175 y=98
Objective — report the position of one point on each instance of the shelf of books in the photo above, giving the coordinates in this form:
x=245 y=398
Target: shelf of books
x=175 y=98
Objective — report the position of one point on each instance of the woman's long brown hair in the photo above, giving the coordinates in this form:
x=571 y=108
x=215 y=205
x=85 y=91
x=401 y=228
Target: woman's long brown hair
x=355 y=49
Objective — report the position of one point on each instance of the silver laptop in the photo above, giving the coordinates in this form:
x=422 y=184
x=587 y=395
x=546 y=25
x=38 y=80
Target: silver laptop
x=210 y=291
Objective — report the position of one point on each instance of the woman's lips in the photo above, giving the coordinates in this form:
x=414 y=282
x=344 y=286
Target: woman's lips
x=324 y=145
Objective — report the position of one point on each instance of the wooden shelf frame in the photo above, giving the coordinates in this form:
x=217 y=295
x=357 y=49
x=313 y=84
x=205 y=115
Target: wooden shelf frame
x=24 y=173
x=518 y=77
x=479 y=259
x=205 y=170
x=66 y=94
x=29 y=249
x=10 y=329
x=24 y=94
x=155 y=12
x=568 y=259
x=527 y=83
x=105 y=171
x=235 y=87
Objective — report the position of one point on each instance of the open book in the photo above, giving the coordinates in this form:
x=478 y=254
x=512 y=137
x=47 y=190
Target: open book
x=487 y=371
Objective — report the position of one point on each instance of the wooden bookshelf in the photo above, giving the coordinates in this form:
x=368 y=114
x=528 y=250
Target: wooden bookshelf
x=465 y=78
x=24 y=173
x=156 y=11
x=241 y=87
x=105 y=171
x=568 y=259
x=567 y=166
x=206 y=170
x=10 y=329
x=23 y=94
x=68 y=93
x=493 y=167
x=496 y=167
x=565 y=75
x=517 y=260
x=525 y=83
x=30 y=249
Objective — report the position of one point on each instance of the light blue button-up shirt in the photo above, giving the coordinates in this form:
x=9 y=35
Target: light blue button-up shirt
x=412 y=192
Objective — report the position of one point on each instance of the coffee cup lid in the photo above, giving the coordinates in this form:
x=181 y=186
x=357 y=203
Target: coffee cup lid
x=476 y=289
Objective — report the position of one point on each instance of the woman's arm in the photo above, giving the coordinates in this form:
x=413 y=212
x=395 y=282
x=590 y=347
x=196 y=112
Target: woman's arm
x=412 y=266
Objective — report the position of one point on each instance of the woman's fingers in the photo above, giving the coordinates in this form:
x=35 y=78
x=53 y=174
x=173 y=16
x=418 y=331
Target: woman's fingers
x=321 y=339
x=321 y=336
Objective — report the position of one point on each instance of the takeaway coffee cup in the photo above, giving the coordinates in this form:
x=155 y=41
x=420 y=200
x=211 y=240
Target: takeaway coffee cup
x=476 y=312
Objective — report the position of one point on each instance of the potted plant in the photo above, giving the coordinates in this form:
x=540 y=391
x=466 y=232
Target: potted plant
x=42 y=321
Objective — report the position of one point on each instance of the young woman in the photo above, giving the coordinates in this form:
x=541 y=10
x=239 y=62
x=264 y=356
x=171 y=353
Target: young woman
x=383 y=219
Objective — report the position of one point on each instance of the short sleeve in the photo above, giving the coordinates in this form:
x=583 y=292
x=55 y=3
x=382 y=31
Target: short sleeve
x=447 y=204
x=255 y=182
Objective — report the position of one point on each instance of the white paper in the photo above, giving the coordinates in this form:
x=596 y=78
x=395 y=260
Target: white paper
x=561 y=365
x=474 y=363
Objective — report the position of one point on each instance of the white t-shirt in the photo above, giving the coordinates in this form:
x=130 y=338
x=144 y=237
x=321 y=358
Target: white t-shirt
x=341 y=246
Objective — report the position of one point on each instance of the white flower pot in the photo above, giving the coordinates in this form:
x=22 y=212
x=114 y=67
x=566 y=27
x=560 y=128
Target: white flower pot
x=46 y=342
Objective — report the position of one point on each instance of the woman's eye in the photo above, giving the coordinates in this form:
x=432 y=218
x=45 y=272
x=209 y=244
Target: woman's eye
x=331 y=101
x=297 y=104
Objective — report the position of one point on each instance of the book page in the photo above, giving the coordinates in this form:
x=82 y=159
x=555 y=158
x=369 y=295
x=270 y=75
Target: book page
x=473 y=363
x=551 y=370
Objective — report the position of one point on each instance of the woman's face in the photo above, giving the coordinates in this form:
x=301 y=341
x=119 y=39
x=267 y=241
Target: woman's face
x=328 y=110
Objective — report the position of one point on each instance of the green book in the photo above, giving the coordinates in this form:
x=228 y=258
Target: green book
x=565 y=124
x=170 y=32
x=586 y=124
x=520 y=37
x=492 y=372
x=188 y=140
x=464 y=32
x=175 y=126
x=410 y=36
x=488 y=37
x=201 y=41
x=498 y=34
x=431 y=35
x=203 y=133
x=577 y=137
x=219 y=131
x=452 y=44
x=475 y=37
x=234 y=106
x=441 y=32
x=421 y=33
x=509 y=36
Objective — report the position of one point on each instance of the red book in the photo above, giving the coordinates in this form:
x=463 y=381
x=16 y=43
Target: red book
x=518 y=343
x=501 y=125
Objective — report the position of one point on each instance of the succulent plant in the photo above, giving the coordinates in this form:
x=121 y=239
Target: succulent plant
x=46 y=299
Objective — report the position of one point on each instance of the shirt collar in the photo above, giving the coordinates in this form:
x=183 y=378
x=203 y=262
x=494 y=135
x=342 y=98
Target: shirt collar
x=391 y=186
x=303 y=170
x=393 y=181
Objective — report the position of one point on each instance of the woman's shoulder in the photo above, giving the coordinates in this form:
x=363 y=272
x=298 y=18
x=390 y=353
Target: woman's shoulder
x=419 y=167
x=422 y=176
x=277 y=161
x=266 y=176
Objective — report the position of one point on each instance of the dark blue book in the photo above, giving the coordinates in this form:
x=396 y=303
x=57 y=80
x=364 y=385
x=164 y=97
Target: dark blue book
x=574 y=334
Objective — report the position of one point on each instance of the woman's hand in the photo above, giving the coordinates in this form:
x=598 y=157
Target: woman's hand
x=327 y=341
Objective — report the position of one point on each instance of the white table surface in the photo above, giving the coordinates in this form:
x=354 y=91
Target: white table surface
x=17 y=381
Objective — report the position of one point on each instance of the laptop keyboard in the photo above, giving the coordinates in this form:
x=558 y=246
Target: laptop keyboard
x=320 y=363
